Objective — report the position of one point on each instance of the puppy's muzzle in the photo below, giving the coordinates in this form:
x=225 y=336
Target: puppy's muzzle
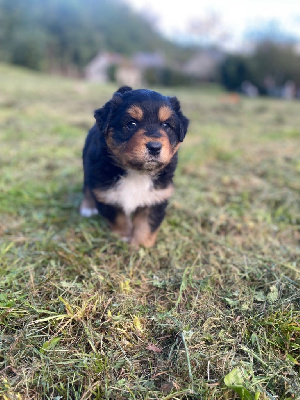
x=154 y=148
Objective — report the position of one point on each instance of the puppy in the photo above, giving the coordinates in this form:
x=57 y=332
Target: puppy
x=129 y=159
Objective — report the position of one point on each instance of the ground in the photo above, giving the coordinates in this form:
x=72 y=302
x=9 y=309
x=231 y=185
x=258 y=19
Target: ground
x=211 y=312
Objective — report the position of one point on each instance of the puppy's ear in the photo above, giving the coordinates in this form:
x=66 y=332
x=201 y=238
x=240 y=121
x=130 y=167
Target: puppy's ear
x=183 y=121
x=103 y=116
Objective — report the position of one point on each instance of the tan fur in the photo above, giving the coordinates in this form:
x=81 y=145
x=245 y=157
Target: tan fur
x=118 y=151
x=122 y=225
x=167 y=151
x=164 y=113
x=142 y=234
x=175 y=149
x=136 y=146
x=136 y=112
x=100 y=195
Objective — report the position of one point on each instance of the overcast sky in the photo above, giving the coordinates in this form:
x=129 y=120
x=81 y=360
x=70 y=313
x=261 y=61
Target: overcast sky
x=173 y=16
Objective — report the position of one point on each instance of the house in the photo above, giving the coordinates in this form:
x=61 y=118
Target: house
x=131 y=72
x=125 y=71
x=128 y=74
x=97 y=70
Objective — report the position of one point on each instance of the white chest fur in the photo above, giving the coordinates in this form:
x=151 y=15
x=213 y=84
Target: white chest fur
x=135 y=190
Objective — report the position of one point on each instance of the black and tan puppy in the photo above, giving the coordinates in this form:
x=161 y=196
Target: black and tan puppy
x=129 y=159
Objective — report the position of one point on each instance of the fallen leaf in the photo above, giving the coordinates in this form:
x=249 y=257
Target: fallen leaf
x=154 y=348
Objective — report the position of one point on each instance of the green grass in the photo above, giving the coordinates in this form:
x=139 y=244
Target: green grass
x=211 y=312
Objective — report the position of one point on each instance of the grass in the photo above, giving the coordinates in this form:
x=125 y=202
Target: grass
x=211 y=312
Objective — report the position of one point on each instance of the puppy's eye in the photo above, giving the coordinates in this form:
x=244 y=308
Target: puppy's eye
x=131 y=124
x=166 y=125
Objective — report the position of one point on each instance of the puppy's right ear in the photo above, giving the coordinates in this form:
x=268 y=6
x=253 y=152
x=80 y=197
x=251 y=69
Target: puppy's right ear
x=103 y=115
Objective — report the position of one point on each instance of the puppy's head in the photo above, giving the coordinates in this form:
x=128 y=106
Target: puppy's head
x=142 y=128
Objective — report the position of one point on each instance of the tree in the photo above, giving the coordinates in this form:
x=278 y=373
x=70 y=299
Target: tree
x=56 y=34
x=234 y=70
x=276 y=61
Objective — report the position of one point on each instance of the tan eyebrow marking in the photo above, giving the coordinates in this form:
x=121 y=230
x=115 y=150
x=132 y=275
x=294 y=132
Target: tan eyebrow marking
x=164 y=113
x=136 y=112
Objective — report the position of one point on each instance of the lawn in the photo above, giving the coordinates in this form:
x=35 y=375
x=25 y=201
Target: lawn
x=211 y=312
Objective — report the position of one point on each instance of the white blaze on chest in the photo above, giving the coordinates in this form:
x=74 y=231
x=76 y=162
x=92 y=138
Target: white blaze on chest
x=135 y=190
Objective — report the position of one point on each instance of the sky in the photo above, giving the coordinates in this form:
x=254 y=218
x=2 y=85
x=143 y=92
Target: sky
x=173 y=17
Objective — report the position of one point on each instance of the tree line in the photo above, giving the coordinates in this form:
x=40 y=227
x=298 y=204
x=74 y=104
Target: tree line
x=269 y=67
x=57 y=35
x=64 y=35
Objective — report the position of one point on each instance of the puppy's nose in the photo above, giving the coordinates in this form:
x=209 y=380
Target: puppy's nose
x=154 y=147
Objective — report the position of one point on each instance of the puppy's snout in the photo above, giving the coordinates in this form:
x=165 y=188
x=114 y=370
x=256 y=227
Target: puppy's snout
x=154 y=148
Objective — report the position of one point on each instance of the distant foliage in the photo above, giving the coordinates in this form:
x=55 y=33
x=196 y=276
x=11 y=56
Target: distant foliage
x=234 y=70
x=270 y=65
x=167 y=77
x=276 y=61
x=56 y=35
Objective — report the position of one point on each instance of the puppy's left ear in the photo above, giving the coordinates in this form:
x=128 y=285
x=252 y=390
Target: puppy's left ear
x=183 y=121
x=103 y=115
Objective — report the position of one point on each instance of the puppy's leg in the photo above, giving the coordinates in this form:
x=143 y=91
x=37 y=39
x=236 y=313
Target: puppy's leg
x=88 y=205
x=146 y=222
x=118 y=221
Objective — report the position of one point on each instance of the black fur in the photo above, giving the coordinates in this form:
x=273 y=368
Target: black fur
x=100 y=170
x=157 y=214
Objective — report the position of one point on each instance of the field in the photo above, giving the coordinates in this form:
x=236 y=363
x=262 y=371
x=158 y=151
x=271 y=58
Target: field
x=211 y=312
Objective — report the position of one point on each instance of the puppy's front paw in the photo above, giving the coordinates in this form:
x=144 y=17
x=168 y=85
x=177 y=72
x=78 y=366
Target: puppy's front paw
x=126 y=239
x=145 y=241
x=88 y=204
